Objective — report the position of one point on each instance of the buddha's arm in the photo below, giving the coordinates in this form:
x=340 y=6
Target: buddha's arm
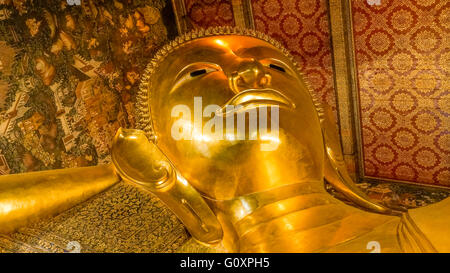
x=335 y=170
x=140 y=162
x=27 y=197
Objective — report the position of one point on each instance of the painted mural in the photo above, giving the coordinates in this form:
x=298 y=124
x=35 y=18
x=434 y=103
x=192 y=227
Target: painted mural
x=403 y=66
x=69 y=71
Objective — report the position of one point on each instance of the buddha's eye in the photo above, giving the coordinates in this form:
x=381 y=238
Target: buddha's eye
x=194 y=72
x=201 y=70
x=198 y=72
x=277 y=67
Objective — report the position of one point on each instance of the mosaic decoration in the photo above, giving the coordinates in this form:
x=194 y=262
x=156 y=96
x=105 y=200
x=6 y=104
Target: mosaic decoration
x=403 y=63
x=68 y=77
x=397 y=195
x=122 y=219
x=209 y=13
x=406 y=196
x=302 y=27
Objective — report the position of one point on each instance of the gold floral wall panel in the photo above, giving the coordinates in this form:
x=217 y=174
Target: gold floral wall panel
x=68 y=77
x=302 y=27
x=402 y=50
x=209 y=13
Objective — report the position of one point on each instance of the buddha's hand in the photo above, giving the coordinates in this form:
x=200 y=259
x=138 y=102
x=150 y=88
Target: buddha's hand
x=140 y=162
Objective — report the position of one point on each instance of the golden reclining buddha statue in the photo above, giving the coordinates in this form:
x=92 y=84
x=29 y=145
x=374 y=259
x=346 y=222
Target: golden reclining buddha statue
x=239 y=192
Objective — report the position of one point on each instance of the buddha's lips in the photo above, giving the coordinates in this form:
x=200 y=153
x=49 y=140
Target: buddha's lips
x=254 y=98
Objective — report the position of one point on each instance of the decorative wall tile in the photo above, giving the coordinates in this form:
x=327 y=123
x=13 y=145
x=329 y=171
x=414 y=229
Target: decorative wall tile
x=302 y=27
x=209 y=13
x=402 y=55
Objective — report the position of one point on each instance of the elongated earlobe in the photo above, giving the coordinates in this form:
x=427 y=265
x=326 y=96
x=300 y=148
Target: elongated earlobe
x=335 y=170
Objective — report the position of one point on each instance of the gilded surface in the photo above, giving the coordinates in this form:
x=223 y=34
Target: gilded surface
x=343 y=84
x=229 y=192
x=122 y=219
x=281 y=207
x=27 y=197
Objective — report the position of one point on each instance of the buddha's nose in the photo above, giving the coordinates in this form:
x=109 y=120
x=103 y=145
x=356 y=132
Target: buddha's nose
x=249 y=74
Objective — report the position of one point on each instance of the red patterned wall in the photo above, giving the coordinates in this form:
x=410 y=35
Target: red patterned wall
x=209 y=13
x=403 y=64
x=302 y=26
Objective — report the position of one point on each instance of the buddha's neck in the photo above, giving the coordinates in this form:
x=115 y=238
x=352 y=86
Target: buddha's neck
x=239 y=207
x=294 y=218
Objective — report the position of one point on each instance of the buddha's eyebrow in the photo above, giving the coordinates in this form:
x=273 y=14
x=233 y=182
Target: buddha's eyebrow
x=208 y=51
x=242 y=51
x=204 y=56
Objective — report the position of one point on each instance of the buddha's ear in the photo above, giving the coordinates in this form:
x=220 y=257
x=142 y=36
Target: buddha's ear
x=335 y=170
x=140 y=162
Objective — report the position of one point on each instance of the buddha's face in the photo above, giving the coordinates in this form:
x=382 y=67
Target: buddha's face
x=242 y=72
